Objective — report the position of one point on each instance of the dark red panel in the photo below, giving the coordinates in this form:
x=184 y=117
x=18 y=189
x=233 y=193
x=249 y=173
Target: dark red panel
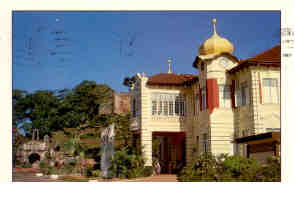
x=212 y=94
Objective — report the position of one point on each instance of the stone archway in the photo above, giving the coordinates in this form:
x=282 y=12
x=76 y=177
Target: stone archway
x=32 y=158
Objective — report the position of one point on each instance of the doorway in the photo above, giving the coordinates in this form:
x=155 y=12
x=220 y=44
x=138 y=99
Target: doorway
x=169 y=150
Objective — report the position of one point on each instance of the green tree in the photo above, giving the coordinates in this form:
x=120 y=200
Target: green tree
x=18 y=112
x=51 y=111
x=129 y=81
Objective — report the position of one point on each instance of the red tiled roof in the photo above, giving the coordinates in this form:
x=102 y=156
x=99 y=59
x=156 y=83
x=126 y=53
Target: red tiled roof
x=170 y=79
x=271 y=57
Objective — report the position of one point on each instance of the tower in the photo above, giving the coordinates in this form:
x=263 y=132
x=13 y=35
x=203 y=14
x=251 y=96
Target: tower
x=215 y=128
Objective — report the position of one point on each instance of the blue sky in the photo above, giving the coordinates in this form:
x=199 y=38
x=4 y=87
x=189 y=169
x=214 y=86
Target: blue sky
x=56 y=50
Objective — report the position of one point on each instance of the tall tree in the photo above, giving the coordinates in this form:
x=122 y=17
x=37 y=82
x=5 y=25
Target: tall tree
x=18 y=112
x=51 y=111
x=129 y=81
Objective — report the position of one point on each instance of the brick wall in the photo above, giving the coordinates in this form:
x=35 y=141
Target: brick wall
x=121 y=103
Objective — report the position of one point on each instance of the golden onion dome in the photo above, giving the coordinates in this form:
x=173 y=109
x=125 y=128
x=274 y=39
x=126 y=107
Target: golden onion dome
x=216 y=44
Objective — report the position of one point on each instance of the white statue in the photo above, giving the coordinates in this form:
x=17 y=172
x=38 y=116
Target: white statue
x=107 y=149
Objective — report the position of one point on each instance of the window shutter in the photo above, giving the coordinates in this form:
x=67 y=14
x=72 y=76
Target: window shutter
x=200 y=96
x=233 y=100
x=237 y=98
x=206 y=99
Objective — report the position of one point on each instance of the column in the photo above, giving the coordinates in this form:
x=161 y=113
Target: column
x=146 y=143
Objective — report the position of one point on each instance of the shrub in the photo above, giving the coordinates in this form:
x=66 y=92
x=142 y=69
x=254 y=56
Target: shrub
x=95 y=173
x=202 y=169
x=271 y=171
x=237 y=168
x=147 y=171
x=127 y=163
x=27 y=165
x=230 y=168
x=44 y=164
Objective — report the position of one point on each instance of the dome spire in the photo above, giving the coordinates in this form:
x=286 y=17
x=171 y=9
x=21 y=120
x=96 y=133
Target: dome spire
x=216 y=44
x=214 y=26
x=169 y=65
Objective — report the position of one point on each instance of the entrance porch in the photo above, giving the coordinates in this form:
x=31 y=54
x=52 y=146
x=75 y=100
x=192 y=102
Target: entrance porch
x=169 y=149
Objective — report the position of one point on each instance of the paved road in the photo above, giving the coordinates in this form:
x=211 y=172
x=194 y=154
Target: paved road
x=31 y=177
x=157 y=178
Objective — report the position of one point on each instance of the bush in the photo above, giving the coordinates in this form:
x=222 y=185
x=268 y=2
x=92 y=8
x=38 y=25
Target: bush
x=92 y=173
x=147 y=171
x=127 y=163
x=237 y=168
x=230 y=168
x=95 y=173
x=44 y=165
x=271 y=172
x=204 y=168
x=27 y=165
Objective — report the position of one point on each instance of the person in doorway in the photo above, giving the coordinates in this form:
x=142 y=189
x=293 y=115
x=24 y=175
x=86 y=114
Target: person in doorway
x=158 y=168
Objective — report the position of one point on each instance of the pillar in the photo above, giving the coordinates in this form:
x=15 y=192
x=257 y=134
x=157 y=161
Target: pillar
x=146 y=143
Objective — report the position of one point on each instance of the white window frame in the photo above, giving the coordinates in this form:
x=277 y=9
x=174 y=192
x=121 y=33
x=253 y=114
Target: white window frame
x=224 y=96
x=154 y=107
x=160 y=107
x=168 y=104
x=165 y=107
x=244 y=93
x=271 y=90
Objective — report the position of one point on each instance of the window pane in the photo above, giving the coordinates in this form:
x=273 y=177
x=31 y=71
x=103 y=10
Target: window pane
x=171 y=108
x=160 y=108
x=266 y=82
x=271 y=90
x=227 y=97
x=154 y=107
x=177 y=106
x=221 y=96
x=165 y=108
x=244 y=94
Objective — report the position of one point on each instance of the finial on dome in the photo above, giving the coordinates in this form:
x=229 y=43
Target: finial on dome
x=216 y=44
x=169 y=65
x=214 y=25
